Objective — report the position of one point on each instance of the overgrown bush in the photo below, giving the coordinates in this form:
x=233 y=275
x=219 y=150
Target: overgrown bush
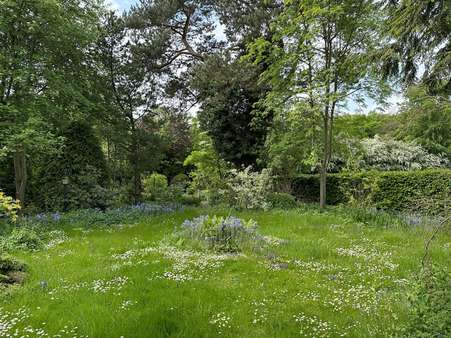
x=8 y=207
x=155 y=187
x=281 y=200
x=229 y=234
x=7 y=266
x=430 y=305
x=21 y=238
x=248 y=190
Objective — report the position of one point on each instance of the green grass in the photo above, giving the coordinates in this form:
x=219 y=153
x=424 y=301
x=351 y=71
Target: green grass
x=331 y=278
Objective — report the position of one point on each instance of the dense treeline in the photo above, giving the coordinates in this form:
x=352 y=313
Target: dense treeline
x=92 y=102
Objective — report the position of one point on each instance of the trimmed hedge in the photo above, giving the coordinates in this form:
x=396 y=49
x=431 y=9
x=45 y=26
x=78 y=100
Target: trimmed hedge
x=391 y=190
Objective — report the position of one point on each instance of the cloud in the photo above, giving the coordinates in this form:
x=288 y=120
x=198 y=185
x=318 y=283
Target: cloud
x=114 y=5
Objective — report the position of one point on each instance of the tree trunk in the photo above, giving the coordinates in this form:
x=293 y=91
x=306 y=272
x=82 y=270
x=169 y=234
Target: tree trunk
x=137 y=185
x=322 y=187
x=20 y=175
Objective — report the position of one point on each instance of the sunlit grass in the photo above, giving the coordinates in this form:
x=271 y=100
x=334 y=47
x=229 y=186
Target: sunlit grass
x=330 y=278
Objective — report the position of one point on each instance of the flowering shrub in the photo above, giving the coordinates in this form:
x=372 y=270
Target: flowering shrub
x=21 y=238
x=229 y=234
x=249 y=190
x=8 y=207
x=398 y=155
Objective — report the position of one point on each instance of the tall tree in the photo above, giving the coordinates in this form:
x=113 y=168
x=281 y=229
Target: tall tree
x=229 y=91
x=319 y=57
x=132 y=90
x=420 y=48
x=43 y=49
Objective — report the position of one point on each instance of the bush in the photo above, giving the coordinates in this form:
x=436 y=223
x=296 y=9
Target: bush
x=282 y=200
x=398 y=155
x=21 y=238
x=425 y=190
x=220 y=234
x=430 y=305
x=8 y=207
x=248 y=190
x=189 y=200
x=77 y=177
x=9 y=265
x=155 y=187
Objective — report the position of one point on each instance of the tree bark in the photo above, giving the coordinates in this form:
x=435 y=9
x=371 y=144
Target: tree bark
x=20 y=175
x=322 y=188
x=324 y=163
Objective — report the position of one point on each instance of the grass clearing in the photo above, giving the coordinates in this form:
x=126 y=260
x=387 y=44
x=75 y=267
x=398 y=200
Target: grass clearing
x=329 y=278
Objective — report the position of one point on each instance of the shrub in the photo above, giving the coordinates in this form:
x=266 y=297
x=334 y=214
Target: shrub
x=21 y=238
x=398 y=155
x=77 y=177
x=282 y=200
x=9 y=265
x=155 y=187
x=220 y=234
x=180 y=180
x=430 y=305
x=8 y=207
x=249 y=190
x=396 y=190
x=189 y=200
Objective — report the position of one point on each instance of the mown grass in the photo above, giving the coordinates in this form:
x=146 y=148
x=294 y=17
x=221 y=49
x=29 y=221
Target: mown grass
x=331 y=277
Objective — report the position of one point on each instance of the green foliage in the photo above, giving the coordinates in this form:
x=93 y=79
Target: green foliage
x=209 y=169
x=190 y=200
x=8 y=207
x=9 y=264
x=155 y=187
x=78 y=177
x=289 y=148
x=430 y=305
x=44 y=65
x=418 y=32
x=229 y=91
x=221 y=234
x=280 y=200
x=371 y=217
x=21 y=238
x=247 y=189
x=426 y=191
x=362 y=126
x=426 y=120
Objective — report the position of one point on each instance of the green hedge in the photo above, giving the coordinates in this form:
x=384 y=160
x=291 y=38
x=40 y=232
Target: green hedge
x=393 y=190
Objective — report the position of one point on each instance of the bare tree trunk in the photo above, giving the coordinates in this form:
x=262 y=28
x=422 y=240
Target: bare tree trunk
x=137 y=186
x=20 y=175
x=322 y=188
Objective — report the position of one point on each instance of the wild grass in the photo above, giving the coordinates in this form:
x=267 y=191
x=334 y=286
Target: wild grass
x=324 y=275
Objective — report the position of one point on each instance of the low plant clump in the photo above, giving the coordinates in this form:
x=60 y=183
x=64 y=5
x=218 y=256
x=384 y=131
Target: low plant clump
x=222 y=234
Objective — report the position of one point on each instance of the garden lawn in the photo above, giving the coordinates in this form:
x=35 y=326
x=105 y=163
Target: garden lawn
x=323 y=276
